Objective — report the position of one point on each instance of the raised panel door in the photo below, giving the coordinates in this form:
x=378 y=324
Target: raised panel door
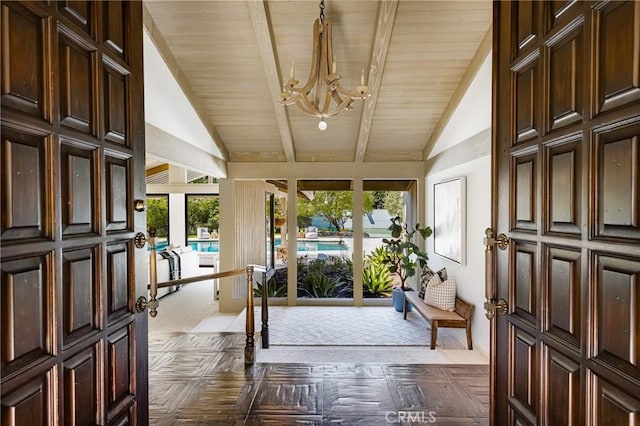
x=74 y=348
x=566 y=192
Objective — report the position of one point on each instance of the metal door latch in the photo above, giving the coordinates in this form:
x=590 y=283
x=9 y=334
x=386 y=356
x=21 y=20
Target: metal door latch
x=495 y=305
x=502 y=241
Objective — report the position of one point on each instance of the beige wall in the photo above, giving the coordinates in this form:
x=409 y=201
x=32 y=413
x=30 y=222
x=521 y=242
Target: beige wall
x=242 y=236
x=469 y=276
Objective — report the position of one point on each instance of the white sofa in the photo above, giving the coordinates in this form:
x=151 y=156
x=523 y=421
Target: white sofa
x=188 y=268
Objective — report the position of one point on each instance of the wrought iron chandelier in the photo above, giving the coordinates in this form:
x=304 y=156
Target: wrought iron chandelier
x=322 y=96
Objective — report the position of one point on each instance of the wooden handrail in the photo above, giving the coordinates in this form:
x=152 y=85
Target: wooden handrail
x=249 y=349
x=199 y=278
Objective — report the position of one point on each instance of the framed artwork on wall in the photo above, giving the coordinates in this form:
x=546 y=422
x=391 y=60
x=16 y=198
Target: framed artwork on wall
x=449 y=219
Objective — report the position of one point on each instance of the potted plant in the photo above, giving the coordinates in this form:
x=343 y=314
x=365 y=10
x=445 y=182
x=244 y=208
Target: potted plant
x=402 y=256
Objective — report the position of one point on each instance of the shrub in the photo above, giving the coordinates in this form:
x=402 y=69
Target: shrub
x=316 y=284
x=377 y=281
x=330 y=277
x=276 y=288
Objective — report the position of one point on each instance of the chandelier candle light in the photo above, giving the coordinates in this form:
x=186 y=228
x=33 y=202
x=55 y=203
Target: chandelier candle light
x=316 y=96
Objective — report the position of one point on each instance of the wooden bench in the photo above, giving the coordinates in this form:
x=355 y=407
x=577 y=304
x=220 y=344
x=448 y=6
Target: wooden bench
x=460 y=318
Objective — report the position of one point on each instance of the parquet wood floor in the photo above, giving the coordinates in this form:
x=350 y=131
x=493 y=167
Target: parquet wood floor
x=200 y=379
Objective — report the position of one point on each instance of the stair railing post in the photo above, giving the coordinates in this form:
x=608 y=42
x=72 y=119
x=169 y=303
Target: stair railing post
x=250 y=349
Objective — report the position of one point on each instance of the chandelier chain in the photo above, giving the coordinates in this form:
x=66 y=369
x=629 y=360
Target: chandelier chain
x=322 y=11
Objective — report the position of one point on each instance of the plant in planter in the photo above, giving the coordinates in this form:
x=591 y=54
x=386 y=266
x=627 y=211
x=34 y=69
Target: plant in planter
x=402 y=256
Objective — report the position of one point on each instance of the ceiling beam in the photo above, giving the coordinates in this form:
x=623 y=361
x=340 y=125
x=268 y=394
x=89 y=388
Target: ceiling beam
x=382 y=38
x=178 y=152
x=163 y=48
x=320 y=170
x=157 y=169
x=264 y=35
x=465 y=82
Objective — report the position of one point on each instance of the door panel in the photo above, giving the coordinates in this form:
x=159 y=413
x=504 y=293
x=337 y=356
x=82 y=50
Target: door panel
x=616 y=160
x=610 y=404
x=74 y=349
x=616 y=53
x=116 y=82
x=567 y=165
x=24 y=185
x=524 y=216
x=79 y=191
x=526 y=91
x=81 y=378
x=30 y=403
x=76 y=82
x=23 y=34
x=562 y=197
x=525 y=283
x=27 y=313
x=564 y=76
x=118 y=281
x=564 y=290
x=617 y=318
x=78 y=12
x=522 y=395
x=81 y=294
x=118 y=198
x=563 y=380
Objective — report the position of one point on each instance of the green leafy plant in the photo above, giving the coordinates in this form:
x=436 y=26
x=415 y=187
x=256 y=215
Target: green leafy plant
x=317 y=284
x=402 y=255
x=377 y=256
x=276 y=288
x=377 y=281
x=330 y=277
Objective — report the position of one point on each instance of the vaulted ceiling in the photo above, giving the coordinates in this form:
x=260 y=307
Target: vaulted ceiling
x=232 y=57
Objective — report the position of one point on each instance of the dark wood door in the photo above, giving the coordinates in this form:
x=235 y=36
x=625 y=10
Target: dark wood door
x=567 y=194
x=73 y=349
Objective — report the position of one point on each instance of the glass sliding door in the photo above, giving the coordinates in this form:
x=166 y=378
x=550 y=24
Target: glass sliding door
x=325 y=241
x=389 y=201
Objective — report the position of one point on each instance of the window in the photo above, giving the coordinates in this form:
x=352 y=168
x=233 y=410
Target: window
x=158 y=215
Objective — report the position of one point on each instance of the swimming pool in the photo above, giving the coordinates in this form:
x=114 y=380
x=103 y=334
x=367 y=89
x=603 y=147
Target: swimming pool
x=303 y=246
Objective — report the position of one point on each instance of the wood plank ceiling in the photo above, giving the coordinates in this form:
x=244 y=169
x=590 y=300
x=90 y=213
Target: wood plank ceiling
x=234 y=56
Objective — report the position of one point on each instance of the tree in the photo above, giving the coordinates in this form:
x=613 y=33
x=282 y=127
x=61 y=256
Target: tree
x=394 y=203
x=158 y=215
x=378 y=199
x=334 y=206
x=202 y=212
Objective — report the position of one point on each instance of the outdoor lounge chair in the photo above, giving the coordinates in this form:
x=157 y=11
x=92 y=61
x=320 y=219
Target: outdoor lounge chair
x=311 y=232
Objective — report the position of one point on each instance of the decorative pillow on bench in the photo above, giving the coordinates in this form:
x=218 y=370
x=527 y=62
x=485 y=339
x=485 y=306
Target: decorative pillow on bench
x=441 y=295
x=425 y=277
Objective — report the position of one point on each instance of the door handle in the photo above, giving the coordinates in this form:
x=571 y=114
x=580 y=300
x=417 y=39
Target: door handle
x=139 y=205
x=502 y=241
x=142 y=303
x=493 y=305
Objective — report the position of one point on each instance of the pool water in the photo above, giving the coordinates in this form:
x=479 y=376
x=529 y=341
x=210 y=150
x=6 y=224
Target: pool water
x=303 y=246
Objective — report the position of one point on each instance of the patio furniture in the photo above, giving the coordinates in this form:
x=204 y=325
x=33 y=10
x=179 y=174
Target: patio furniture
x=311 y=232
